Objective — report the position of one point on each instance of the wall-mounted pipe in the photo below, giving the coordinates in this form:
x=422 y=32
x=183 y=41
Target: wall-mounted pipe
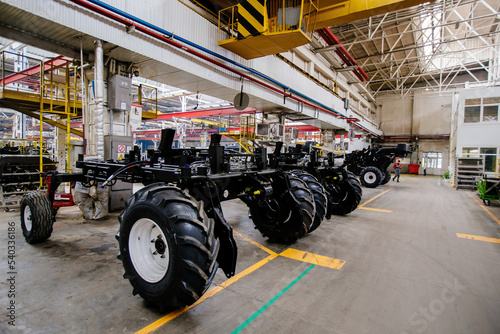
x=285 y=91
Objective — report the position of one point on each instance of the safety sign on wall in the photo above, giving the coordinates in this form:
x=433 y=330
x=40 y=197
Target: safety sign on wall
x=121 y=148
x=135 y=117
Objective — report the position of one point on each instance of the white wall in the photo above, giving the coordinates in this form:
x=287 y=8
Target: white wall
x=477 y=134
x=482 y=134
x=395 y=115
x=422 y=120
x=431 y=114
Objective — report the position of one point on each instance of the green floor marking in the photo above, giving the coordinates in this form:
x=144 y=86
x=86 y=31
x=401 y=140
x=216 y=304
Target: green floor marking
x=269 y=303
x=392 y=199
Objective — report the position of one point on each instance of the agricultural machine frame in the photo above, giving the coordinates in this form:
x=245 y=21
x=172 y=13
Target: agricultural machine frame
x=173 y=235
x=372 y=165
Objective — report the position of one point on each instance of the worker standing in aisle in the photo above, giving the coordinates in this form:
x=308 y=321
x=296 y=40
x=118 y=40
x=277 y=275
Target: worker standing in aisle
x=397 y=170
x=424 y=167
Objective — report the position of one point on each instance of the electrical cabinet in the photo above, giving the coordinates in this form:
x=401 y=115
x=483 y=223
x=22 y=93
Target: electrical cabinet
x=115 y=147
x=119 y=93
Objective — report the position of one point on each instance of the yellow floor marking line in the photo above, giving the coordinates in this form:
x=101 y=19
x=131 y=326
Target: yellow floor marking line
x=373 y=209
x=375 y=197
x=362 y=206
x=255 y=243
x=312 y=258
x=478 y=237
x=172 y=315
x=485 y=209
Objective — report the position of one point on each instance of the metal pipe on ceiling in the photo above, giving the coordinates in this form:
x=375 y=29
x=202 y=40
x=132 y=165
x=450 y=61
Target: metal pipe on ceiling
x=169 y=40
x=330 y=39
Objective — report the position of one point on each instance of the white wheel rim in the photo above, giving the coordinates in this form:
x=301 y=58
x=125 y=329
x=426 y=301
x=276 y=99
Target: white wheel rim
x=27 y=218
x=370 y=177
x=148 y=250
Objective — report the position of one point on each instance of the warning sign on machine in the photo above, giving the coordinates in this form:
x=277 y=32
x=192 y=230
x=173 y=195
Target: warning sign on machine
x=121 y=148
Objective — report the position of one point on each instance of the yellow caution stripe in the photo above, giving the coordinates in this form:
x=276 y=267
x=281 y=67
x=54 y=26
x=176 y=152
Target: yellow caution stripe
x=252 y=18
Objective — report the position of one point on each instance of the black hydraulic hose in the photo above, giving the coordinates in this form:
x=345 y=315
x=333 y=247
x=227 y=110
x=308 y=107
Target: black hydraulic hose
x=122 y=169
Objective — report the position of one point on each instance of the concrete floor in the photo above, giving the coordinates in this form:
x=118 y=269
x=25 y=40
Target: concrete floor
x=405 y=271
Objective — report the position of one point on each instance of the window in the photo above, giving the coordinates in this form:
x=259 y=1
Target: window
x=481 y=110
x=490 y=114
x=472 y=114
x=490 y=156
x=470 y=152
x=434 y=159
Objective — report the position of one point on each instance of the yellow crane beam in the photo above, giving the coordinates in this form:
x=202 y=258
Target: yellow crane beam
x=335 y=12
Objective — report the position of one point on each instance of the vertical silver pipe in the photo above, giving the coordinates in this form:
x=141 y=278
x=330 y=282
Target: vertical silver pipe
x=99 y=97
x=84 y=97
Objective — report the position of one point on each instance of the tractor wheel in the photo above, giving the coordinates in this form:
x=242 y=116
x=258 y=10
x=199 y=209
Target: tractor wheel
x=280 y=218
x=387 y=176
x=319 y=194
x=167 y=246
x=345 y=196
x=36 y=217
x=371 y=177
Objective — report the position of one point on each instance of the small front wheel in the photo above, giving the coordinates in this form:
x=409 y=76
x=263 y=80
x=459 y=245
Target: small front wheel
x=486 y=202
x=370 y=177
x=36 y=217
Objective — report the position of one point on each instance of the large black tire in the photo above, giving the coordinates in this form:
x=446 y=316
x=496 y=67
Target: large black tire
x=167 y=246
x=279 y=218
x=371 y=177
x=387 y=176
x=320 y=199
x=36 y=217
x=344 y=196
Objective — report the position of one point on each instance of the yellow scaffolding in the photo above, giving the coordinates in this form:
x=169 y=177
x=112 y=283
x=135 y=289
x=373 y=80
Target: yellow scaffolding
x=245 y=134
x=58 y=86
x=49 y=87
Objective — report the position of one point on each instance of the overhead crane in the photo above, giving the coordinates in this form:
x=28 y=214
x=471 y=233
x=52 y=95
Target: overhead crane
x=257 y=28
